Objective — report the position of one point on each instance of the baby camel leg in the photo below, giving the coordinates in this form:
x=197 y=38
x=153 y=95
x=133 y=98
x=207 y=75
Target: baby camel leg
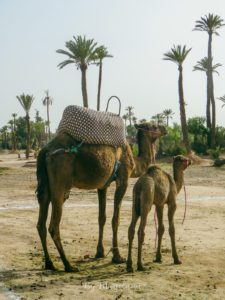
x=161 y=229
x=141 y=236
x=57 y=203
x=171 y=212
x=131 y=232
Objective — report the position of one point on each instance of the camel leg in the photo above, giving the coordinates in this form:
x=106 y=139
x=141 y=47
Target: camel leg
x=119 y=193
x=171 y=211
x=57 y=203
x=41 y=227
x=161 y=229
x=101 y=221
x=141 y=236
x=131 y=232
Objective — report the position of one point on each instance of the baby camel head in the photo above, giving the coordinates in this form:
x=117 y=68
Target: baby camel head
x=152 y=130
x=181 y=162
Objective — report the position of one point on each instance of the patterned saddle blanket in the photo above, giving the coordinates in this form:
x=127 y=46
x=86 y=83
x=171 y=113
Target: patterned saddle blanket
x=93 y=127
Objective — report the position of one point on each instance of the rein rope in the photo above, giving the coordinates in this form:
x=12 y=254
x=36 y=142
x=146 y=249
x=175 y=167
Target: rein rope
x=185 y=194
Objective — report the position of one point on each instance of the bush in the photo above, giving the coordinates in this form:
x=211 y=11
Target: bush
x=199 y=148
x=215 y=153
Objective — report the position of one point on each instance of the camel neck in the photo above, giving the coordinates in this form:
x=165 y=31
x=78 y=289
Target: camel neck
x=178 y=175
x=145 y=149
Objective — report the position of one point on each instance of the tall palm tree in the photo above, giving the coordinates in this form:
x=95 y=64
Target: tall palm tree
x=204 y=66
x=158 y=119
x=125 y=117
x=80 y=52
x=14 y=131
x=130 y=113
x=4 y=133
x=222 y=99
x=47 y=101
x=210 y=23
x=26 y=102
x=168 y=114
x=178 y=54
x=100 y=53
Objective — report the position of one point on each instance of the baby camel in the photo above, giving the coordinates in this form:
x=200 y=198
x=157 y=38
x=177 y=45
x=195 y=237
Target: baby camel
x=159 y=188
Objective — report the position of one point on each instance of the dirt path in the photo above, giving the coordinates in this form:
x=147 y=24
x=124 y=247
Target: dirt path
x=200 y=243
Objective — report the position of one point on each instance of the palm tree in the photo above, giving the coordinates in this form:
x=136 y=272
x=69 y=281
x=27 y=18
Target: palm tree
x=125 y=117
x=130 y=113
x=14 y=132
x=26 y=102
x=222 y=99
x=168 y=114
x=158 y=119
x=203 y=65
x=100 y=53
x=80 y=52
x=178 y=55
x=48 y=101
x=210 y=23
x=143 y=120
x=4 y=132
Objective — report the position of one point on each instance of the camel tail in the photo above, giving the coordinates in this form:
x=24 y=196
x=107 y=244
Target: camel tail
x=42 y=175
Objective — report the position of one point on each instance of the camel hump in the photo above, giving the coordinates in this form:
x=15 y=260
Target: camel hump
x=93 y=127
x=152 y=169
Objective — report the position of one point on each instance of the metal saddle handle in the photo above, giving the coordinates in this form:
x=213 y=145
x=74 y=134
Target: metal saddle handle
x=118 y=101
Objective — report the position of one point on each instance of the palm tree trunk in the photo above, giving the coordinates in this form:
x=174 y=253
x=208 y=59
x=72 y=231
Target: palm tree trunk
x=49 y=134
x=99 y=85
x=182 y=112
x=211 y=92
x=208 y=112
x=213 y=129
x=84 y=86
x=28 y=136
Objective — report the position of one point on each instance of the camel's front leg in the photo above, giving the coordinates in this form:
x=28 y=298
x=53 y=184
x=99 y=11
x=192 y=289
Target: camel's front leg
x=119 y=193
x=101 y=221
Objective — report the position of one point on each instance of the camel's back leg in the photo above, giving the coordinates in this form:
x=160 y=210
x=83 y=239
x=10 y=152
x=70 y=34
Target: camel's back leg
x=60 y=170
x=146 y=201
x=171 y=211
x=161 y=229
x=57 y=206
x=131 y=232
x=41 y=227
x=101 y=221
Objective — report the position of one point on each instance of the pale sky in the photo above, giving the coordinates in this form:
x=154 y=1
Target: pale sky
x=136 y=32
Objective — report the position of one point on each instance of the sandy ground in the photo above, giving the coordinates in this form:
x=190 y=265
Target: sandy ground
x=200 y=243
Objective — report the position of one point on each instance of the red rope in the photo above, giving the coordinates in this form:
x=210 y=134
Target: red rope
x=185 y=208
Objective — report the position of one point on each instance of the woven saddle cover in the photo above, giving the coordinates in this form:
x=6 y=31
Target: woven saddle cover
x=93 y=127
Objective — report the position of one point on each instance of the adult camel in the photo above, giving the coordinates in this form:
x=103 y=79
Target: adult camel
x=91 y=167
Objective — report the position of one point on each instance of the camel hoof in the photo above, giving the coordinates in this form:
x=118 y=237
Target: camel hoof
x=140 y=268
x=99 y=255
x=50 y=266
x=177 y=262
x=130 y=268
x=118 y=260
x=70 y=269
x=157 y=260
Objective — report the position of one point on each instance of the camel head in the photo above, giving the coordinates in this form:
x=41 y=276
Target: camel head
x=181 y=162
x=152 y=130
